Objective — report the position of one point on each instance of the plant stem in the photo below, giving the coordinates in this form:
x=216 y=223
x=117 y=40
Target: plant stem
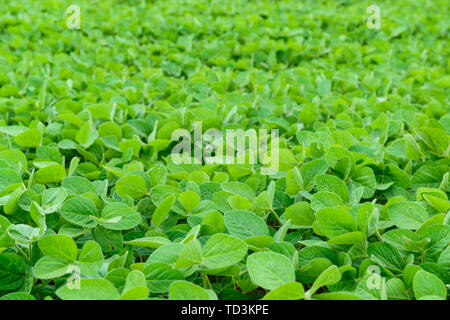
x=276 y=216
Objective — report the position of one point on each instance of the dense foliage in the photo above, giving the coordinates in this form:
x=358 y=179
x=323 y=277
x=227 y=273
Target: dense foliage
x=92 y=205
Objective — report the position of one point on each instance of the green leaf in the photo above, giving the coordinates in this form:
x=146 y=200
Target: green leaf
x=238 y=188
x=29 y=139
x=328 y=277
x=184 y=290
x=334 y=222
x=50 y=174
x=86 y=135
x=149 y=242
x=91 y=252
x=435 y=139
x=325 y=199
x=190 y=255
x=53 y=198
x=101 y=111
x=132 y=185
x=50 y=267
x=159 y=277
x=287 y=291
x=77 y=185
x=300 y=214
x=348 y=238
x=365 y=177
x=8 y=177
x=310 y=170
x=189 y=199
x=17 y=296
x=79 y=210
x=407 y=215
x=427 y=284
x=386 y=255
x=162 y=210
x=326 y=182
x=118 y=216
x=396 y=290
x=13 y=157
x=270 y=270
x=244 y=224
x=222 y=251
x=166 y=254
x=90 y=289
x=59 y=246
x=135 y=287
x=412 y=150
x=12 y=271
x=337 y=296
x=23 y=234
